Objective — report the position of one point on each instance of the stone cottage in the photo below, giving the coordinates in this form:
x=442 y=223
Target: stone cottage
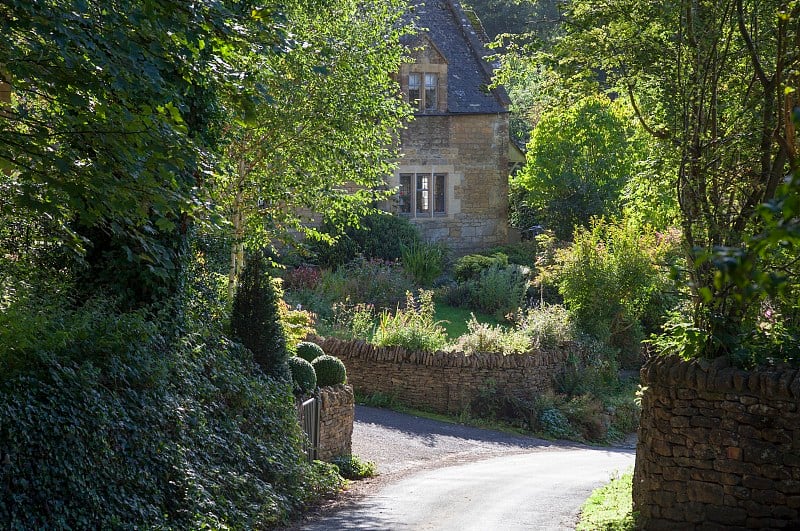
x=452 y=177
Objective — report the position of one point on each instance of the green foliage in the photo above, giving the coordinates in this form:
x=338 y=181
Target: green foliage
x=255 y=319
x=609 y=277
x=304 y=378
x=555 y=424
x=136 y=426
x=547 y=326
x=579 y=160
x=471 y=266
x=500 y=291
x=353 y=321
x=351 y=467
x=297 y=324
x=482 y=337
x=424 y=262
x=610 y=507
x=308 y=350
x=383 y=284
x=413 y=327
x=378 y=235
x=330 y=370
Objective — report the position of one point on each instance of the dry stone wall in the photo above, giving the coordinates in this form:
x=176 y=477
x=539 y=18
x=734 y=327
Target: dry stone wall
x=337 y=413
x=443 y=382
x=719 y=447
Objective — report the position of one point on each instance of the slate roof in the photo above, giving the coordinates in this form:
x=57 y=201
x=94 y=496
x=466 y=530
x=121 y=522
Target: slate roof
x=468 y=75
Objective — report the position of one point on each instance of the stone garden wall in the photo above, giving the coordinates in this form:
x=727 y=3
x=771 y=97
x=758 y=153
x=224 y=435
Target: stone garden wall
x=337 y=413
x=719 y=448
x=442 y=382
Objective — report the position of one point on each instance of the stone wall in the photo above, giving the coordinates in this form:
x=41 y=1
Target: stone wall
x=719 y=448
x=442 y=382
x=472 y=149
x=337 y=413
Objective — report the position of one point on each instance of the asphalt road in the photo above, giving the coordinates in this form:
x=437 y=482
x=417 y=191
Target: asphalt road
x=437 y=476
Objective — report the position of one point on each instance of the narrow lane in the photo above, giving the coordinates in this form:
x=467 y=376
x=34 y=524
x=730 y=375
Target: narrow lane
x=446 y=477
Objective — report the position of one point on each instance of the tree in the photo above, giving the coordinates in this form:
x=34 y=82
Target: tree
x=322 y=144
x=715 y=81
x=255 y=319
x=579 y=160
x=105 y=139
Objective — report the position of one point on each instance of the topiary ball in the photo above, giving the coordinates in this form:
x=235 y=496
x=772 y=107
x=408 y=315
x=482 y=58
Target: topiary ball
x=304 y=377
x=330 y=370
x=308 y=351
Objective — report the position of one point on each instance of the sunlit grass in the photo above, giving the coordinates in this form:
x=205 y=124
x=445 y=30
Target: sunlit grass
x=610 y=507
x=455 y=320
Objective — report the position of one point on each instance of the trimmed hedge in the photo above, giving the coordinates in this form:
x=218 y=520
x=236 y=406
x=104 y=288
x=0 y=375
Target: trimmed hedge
x=330 y=371
x=303 y=376
x=308 y=351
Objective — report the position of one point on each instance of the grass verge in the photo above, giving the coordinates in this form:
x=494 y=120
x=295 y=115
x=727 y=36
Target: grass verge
x=610 y=507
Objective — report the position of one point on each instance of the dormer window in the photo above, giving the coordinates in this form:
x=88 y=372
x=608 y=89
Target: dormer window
x=431 y=84
x=423 y=98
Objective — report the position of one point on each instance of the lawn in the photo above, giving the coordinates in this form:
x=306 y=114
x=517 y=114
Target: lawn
x=455 y=319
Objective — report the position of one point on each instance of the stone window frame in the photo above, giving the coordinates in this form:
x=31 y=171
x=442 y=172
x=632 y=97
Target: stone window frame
x=418 y=94
x=413 y=190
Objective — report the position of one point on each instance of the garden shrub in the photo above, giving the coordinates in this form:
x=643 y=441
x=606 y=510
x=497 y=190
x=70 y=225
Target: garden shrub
x=352 y=321
x=330 y=370
x=255 y=319
x=351 y=467
x=487 y=338
x=296 y=323
x=522 y=253
x=302 y=277
x=115 y=420
x=378 y=235
x=501 y=290
x=304 y=378
x=308 y=350
x=471 y=266
x=555 y=423
x=424 y=262
x=412 y=327
x=547 y=326
x=375 y=281
x=608 y=278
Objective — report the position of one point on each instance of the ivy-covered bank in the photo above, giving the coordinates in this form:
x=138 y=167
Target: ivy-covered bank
x=107 y=422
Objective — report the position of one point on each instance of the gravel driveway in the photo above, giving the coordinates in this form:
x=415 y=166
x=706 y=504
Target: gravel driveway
x=433 y=475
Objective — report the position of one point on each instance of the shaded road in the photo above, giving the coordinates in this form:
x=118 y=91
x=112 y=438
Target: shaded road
x=437 y=476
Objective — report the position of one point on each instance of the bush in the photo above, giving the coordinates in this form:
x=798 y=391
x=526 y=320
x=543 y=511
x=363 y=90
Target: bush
x=304 y=378
x=351 y=467
x=330 y=370
x=302 y=277
x=308 y=350
x=487 y=338
x=608 y=278
x=383 y=284
x=379 y=235
x=297 y=324
x=501 y=291
x=255 y=319
x=414 y=327
x=424 y=262
x=353 y=321
x=114 y=420
x=547 y=326
x=471 y=266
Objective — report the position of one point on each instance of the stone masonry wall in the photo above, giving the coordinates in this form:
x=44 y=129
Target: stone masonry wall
x=337 y=413
x=473 y=150
x=442 y=382
x=719 y=448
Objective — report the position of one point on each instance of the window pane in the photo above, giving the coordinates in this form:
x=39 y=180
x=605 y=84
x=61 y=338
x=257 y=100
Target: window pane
x=431 y=82
x=414 y=81
x=404 y=193
x=423 y=193
x=439 y=187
